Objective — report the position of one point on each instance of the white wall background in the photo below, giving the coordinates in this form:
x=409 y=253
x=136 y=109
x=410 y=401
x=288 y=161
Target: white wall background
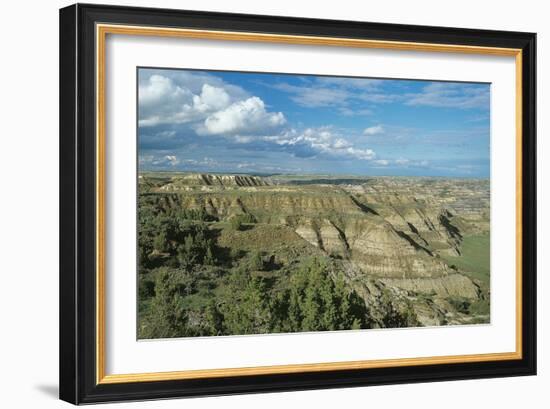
x=29 y=203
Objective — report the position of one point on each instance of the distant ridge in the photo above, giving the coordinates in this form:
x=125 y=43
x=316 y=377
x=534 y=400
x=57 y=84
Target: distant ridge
x=208 y=179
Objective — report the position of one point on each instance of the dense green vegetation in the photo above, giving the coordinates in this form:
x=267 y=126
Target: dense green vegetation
x=199 y=277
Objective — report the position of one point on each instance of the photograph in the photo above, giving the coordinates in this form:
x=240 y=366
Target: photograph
x=252 y=201
x=276 y=203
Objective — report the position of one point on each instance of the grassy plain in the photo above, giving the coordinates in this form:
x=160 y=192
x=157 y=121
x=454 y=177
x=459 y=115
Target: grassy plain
x=475 y=259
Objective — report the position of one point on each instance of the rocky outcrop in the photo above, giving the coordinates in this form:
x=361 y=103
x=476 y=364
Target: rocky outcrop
x=400 y=240
x=185 y=182
x=381 y=250
x=452 y=285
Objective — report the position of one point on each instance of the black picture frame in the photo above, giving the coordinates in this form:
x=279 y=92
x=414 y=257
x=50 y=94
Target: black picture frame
x=78 y=360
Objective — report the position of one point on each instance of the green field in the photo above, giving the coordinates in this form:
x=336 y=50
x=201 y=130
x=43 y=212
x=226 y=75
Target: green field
x=475 y=258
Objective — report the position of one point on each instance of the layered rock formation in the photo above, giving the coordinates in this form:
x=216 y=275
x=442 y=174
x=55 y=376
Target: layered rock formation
x=392 y=233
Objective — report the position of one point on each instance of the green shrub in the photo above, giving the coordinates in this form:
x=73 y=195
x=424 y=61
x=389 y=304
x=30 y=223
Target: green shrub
x=238 y=222
x=255 y=261
x=146 y=288
x=460 y=304
x=167 y=316
x=315 y=301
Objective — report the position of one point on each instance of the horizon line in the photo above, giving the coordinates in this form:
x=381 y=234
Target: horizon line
x=266 y=174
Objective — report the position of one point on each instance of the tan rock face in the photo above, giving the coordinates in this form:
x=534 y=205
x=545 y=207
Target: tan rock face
x=381 y=250
x=333 y=239
x=309 y=234
x=454 y=285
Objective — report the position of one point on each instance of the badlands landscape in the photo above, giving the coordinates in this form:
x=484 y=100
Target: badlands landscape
x=227 y=254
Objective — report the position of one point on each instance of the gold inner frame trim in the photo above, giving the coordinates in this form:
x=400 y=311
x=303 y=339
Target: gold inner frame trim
x=101 y=33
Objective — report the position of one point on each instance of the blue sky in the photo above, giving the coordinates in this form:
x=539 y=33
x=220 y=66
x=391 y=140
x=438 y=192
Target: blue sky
x=213 y=121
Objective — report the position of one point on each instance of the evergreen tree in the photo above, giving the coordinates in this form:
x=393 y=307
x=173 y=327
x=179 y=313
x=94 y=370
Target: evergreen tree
x=209 y=258
x=167 y=317
x=247 y=311
x=214 y=319
x=161 y=242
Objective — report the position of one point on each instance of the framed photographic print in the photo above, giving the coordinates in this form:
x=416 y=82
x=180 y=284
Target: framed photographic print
x=258 y=203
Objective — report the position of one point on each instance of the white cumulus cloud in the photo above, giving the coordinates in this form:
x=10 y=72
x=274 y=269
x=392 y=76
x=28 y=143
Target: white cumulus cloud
x=213 y=108
x=323 y=140
x=242 y=117
x=161 y=101
x=211 y=98
x=374 y=130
